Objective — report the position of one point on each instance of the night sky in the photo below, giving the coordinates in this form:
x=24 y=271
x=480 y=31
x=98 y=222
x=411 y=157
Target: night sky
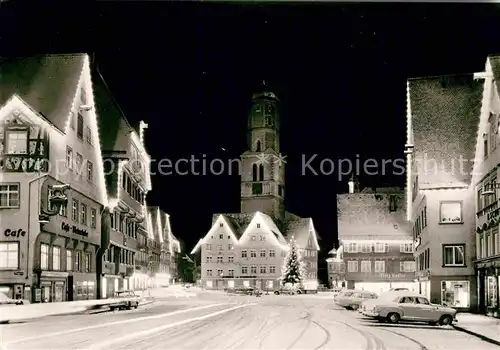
x=190 y=69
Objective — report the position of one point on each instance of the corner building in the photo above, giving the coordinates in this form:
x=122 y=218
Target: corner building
x=49 y=135
x=248 y=248
x=442 y=130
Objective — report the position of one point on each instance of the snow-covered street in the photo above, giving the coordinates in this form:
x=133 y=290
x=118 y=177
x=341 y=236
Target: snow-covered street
x=220 y=321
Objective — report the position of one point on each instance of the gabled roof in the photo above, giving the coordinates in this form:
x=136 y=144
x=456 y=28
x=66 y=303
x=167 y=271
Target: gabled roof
x=301 y=229
x=48 y=83
x=369 y=214
x=444 y=115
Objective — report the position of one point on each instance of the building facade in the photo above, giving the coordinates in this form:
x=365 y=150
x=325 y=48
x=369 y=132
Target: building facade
x=442 y=118
x=248 y=248
x=486 y=194
x=126 y=262
x=376 y=240
x=52 y=191
x=336 y=268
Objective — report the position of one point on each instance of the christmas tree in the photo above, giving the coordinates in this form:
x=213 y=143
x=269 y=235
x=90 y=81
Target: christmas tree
x=293 y=269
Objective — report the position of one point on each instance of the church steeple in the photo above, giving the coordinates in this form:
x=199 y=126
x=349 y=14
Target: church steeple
x=262 y=180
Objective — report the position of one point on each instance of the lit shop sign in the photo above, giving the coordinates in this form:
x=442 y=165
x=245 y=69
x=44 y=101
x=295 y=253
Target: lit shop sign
x=72 y=228
x=392 y=275
x=14 y=233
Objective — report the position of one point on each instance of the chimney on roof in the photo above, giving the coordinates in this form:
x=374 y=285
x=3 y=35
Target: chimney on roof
x=351 y=184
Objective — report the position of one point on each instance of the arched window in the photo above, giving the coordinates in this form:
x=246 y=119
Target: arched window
x=261 y=172
x=258 y=146
x=254 y=173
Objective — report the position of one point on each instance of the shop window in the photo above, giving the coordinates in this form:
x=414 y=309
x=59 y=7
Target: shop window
x=9 y=255
x=455 y=293
x=491 y=291
x=450 y=212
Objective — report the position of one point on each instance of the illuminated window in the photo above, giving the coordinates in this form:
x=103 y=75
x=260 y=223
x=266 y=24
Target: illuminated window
x=454 y=255
x=352 y=266
x=56 y=258
x=9 y=255
x=69 y=260
x=69 y=157
x=17 y=141
x=83 y=214
x=450 y=212
x=366 y=266
x=44 y=256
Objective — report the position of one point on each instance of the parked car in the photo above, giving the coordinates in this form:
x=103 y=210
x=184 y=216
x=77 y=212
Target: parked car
x=289 y=290
x=344 y=294
x=241 y=290
x=367 y=304
x=399 y=290
x=410 y=307
x=352 y=301
x=5 y=300
x=128 y=300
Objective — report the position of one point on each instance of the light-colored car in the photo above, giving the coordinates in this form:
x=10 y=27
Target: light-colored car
x=407 y=306
x=5 y=300
x=368 y=304
x=352 y=301
x=127 y=300
x=290 y=290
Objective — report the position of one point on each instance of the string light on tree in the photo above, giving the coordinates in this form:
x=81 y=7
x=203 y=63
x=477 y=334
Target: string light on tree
x=293 y=270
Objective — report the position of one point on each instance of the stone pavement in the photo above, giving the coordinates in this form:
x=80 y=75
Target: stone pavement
x=484 y=327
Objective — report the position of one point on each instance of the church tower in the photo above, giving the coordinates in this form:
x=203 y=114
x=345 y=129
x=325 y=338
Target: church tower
x=263 y=169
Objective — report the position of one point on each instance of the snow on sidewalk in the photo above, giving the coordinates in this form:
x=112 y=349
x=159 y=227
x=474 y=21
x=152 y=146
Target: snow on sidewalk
x=484 y=327
x=167 y=292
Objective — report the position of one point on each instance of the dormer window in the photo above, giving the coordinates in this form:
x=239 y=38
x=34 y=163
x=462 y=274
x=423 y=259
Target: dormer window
x=221 y=225
x=258 y=225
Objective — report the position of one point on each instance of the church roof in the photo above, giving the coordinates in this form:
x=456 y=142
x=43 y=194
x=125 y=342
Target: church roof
x=369 y=214
x=444 y=114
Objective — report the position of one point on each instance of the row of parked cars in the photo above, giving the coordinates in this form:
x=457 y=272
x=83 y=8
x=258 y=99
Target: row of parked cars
x=258 y=292
x=395 y=306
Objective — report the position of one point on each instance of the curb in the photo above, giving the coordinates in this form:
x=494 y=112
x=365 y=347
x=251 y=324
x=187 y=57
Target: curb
x=480 y=336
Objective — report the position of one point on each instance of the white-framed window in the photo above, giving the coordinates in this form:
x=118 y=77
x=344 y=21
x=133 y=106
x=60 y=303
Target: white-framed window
x=9 y=255
x=74 y=210
x=406 y=248
x=262 y=253
x=83 y=214
x=79 y=163
x=56 y=258
x=244 y=270
x=220 y=259
x=366 y=266
x=88 y=135
x=9 y=195
x=454 y=255
x=379 y=266
x=381 y=247
x=93 y=217
x=253 y=253
x=209 y=246
x=407 y=266
x=44 y=256
x=351 y=247
x=272 y=269
x=352 y=266
x=69 y=260
x=69 y=157
x=90 y=171
x=230 y=259
x=272 y=253
x=263 y=269
x=17 y=141
x=230 y=273
x=366 y=248
x=209 y=273
x=450 y=212
x=244 y=254
x=253 y=269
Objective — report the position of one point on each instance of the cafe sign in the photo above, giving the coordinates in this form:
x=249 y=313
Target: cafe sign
x=73 y=229
x=392 y=275
x=14 y=233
